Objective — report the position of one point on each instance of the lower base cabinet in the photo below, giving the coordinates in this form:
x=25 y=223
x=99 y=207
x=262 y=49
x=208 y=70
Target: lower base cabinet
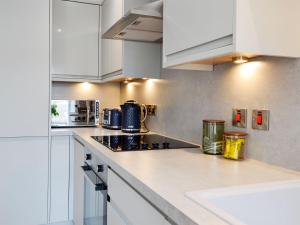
x=113 y=218
x=128 y=207
x=60 y=185
x=24 y=181
x=78 y=183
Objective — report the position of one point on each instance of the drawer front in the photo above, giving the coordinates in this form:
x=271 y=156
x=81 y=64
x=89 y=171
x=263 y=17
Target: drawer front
x=113 y=218
x=132 y=206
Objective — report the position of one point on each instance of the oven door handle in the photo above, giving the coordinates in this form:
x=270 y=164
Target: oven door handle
x=94 y=178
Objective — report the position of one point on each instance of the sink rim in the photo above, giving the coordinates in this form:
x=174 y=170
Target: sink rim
x=202 y=197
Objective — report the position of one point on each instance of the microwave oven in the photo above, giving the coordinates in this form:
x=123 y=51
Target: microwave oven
x=74 y=113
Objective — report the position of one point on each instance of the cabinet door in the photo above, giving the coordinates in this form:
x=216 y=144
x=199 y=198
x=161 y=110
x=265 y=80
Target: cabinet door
x=112 y=11
x=24 y=181
x=112 y=56
x=133 y=207
x=75 y=39
x=191 y=23
x=78 y=183
x=112 y=50
x=24 y=68
x=60 y=170
x=113 y=218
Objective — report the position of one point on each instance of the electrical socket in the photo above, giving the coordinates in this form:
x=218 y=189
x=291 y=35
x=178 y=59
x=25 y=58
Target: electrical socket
x=260 y=119
x=151 y=110
x=239 y=118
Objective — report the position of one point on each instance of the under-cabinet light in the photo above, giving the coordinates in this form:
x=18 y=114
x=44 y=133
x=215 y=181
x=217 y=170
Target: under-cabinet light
x=240 y=59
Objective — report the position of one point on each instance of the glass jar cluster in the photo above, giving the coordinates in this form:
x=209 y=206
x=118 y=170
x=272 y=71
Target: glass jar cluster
x=217 y=142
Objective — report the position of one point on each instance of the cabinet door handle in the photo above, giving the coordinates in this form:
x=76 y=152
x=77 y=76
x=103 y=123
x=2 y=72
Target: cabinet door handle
x=88 y=157
x=100 y=168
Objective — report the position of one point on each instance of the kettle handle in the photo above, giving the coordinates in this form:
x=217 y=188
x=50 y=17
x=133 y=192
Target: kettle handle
x=146 y=114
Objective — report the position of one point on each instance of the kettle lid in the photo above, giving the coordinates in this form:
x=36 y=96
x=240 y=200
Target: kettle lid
x=132 y=102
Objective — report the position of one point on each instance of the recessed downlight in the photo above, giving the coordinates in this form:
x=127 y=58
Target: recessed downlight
x=240 y=59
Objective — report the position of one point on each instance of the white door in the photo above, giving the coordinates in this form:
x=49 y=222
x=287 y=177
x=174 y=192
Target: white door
x=75 y=39
x=78 y=183
x=112 y=11
x=132 y=207
x=113 y=218
x=24 y=68
x=60 y=179
x=191 y=23
x=24 y=181
x=112 y=50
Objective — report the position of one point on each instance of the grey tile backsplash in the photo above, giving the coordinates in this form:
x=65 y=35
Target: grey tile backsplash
x=108 y=94
x=185 y=98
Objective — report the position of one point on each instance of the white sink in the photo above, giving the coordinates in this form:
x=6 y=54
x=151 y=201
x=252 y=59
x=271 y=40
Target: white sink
x=265 y=204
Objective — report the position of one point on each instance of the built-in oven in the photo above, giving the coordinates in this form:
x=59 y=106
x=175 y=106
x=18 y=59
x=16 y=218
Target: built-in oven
x=95 y=191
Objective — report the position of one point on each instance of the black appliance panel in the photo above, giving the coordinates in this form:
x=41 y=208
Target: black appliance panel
x=119 y=143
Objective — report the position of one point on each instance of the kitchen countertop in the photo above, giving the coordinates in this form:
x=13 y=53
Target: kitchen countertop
x=163 y=177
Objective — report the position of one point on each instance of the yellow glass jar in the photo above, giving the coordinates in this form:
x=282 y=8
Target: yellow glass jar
x=234 y=145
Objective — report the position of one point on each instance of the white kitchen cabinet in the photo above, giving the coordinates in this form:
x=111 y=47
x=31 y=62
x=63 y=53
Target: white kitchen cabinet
x=113 y=218
x=60 y=179
x=24 y=96
x=130 y=208
x=112 y=50
x=210 y=31
x=24 y=68
x=213 y=21
x=75 y=40
x=126 y=59
x=24 y=181
x=78 y=183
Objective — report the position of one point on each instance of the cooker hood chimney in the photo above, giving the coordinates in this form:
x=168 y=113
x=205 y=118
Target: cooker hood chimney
x=139 y=24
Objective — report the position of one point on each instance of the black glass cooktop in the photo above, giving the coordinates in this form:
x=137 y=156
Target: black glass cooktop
x=119 y=143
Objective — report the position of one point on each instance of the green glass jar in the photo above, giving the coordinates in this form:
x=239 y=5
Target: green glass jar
x=212 y=141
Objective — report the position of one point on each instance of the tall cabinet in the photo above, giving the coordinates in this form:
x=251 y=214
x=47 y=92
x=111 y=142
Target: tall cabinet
x=24 y=68
x=24 y=96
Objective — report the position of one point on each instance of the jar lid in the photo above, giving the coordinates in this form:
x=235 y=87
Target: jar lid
x=213 y=121
x=235 y=134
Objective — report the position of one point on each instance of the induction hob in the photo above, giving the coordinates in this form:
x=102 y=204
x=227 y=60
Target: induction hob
x=137 y=142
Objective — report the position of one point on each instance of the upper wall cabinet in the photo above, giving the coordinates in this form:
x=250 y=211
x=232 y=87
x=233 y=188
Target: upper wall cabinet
x=75 y=40
x=209 y=32
x=126 y=59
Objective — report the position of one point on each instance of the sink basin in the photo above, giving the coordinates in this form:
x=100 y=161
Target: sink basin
x=264 y=204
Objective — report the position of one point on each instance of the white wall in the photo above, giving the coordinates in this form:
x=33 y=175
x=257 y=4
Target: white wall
x=108 y=94
x=185 y=98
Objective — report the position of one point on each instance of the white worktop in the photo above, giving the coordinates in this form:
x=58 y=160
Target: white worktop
x=163 y=177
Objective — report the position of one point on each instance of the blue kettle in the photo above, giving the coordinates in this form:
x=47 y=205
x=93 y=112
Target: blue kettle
x=131 y=117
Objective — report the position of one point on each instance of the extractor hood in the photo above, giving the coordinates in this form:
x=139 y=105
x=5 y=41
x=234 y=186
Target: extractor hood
x=143 y=23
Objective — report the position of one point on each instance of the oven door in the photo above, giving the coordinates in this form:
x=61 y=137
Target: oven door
x=95 y=198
